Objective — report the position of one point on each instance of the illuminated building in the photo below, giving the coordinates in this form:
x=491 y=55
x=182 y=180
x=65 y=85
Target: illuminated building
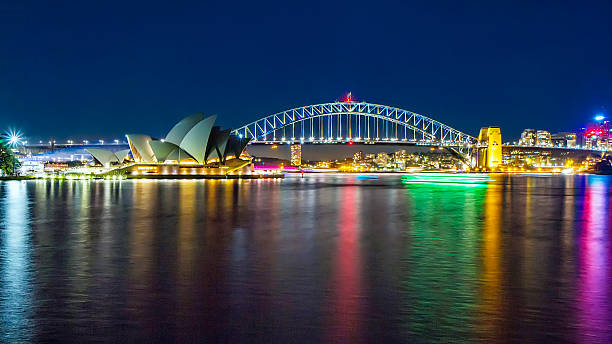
x=194 y=140
x=490 y=150
x=400 y=155
x=357 y=157
x=382 y=159
x=543 y=138
x=296 y=155
x=597 y=136
x=563 y=140
x=106 y=157
x=29 y=168
x=528 y=137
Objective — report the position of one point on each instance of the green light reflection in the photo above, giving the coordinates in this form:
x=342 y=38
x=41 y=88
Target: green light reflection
x=441 y=264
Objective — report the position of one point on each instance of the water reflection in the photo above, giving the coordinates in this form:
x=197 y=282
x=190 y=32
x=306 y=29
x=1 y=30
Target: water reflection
x=491 y=276
x=441 y=263
x=594 y=319
x=16 y=282
x=346 y=281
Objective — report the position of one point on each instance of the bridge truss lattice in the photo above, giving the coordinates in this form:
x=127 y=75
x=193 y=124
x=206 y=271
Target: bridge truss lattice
x=352 y=121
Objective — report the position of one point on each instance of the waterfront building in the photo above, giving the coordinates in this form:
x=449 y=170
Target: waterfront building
x=563 y=139
x=528 y=137
x=382 y=159
x=193 y=140
x=194 y=146
x=358 y=156
x=400 y=155
x=543 y=138
x=296 y=155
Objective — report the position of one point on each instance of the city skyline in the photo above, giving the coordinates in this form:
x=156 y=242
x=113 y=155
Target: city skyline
x=465 y=65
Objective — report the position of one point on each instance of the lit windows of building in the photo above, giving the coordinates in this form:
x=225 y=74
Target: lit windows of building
x=382 y=159
x=358 y=157
x=296 y=155
x=563 y=139
x=543 y=138
x=528 y=137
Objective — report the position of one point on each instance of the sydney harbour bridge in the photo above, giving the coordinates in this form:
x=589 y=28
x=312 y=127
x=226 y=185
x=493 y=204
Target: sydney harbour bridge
x=350 y=121
x=357 y=122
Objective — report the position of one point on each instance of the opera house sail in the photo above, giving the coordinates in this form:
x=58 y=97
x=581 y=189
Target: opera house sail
x=194 y=142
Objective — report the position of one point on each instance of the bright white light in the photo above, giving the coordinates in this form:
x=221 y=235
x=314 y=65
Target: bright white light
x=14 y=138
x=599 y=117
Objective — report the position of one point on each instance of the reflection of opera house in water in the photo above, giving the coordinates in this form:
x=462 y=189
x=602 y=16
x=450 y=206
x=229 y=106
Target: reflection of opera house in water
x=194 y=146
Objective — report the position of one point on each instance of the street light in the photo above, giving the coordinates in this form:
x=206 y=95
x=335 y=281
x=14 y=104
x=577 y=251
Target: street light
x=599 y=117
x=14 y=139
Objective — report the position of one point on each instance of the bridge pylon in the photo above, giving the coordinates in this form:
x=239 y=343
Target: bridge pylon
x=489 y=149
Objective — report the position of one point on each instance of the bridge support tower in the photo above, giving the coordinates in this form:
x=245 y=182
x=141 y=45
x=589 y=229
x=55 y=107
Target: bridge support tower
x=489 y=149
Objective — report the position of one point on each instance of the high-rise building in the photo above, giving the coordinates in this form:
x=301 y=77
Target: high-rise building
x=296 y=155
x=528 y=137
x=382 y=159
x=570 y=140
x=563 y=139
x=543 y=138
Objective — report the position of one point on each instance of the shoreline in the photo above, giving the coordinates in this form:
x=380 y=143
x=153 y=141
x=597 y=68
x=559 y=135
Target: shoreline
x=154 y=177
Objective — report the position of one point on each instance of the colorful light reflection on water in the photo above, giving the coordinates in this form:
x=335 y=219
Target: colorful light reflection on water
x=323 y=258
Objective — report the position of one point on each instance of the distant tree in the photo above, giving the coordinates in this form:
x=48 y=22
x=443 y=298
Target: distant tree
x=8 y=162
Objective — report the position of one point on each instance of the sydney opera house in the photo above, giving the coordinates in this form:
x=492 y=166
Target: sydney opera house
x=194 y=146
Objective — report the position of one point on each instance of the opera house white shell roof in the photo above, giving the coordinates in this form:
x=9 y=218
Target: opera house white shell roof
x=194 y=138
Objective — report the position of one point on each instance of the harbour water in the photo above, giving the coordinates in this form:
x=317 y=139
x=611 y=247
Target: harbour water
x=323 y=258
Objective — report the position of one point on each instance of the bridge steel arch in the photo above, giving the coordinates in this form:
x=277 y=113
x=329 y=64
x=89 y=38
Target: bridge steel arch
x=350 y=114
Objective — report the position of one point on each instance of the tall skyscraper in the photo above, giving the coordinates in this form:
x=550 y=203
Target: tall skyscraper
x=543 y=138
x=296 y=155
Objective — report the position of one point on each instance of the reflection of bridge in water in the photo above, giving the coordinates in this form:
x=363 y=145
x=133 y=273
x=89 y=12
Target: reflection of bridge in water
x=361 y=122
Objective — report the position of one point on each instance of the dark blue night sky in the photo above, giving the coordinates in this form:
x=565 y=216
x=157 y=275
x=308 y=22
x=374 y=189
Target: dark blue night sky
x=103 y=68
